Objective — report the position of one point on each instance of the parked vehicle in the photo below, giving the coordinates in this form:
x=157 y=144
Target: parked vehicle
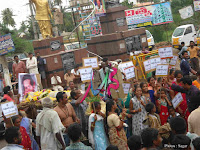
x=150 y=40
x=184 y=33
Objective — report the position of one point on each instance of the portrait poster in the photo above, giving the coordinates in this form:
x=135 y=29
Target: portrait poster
x=86 y=74
x=162 y=70
x=100 y=8
x=129 y=72
x=165 y=52
x=177 y=100
x=90 y=62
x=149 y=15
x=9 y=109
x=26 y=83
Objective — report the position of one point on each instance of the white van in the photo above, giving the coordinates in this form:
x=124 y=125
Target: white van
x=150 y=40
x=184 y=33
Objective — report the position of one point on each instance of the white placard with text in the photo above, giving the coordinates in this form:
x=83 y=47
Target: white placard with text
x=86 y=74
x=173 y=60
x=162 y=70
x=126 y=87
x=9 y=109
x=147 y=65
x=129 y=72
x=90 y=61
x=125 y=65
x=177 y=100
x=165 y=52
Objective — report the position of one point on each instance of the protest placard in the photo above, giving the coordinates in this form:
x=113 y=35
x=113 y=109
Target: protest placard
x=129 y=72
x=125 y=65
x=126 y=87
x=9 y=109
x=173 y=60
x=154 y=63
x=147 y=65
x=86 y=74
x=177 y=100
x=90 y=61
x=162 y=70
x=165 y=52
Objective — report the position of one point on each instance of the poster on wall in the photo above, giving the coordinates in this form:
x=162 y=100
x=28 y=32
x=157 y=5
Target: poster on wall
x=150 y=15
x=6 y=44
x=197 y=5
x=186 y=12
x=100 y=8
x=27 y=83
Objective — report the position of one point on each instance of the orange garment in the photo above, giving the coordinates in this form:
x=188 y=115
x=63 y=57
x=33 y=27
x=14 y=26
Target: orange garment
x=193 y=52
x=196 y=83
x=8 y=98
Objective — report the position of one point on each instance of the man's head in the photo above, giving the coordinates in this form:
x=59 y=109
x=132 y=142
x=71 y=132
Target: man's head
x=71 y=85
x=28 y=84
x=68 y=71
x=178 y=125
x=134 y=142
x=30 y=55
x=75 y=94
x=182 y=140
x=191 y=43
x=55 y=73
x=47 y=103
x=38 y=54
x=150 y=137
x=7 y=90
x=185 y=54
x=62 y=98
x=186 y=82
x=76 y=67
x=182 y=44
x=16 y=58
x=74 y=132
x=196 y=143
x=106 y=61
x=13 y=135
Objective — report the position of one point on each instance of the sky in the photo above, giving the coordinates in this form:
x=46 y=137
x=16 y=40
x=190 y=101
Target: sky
x=20 y=9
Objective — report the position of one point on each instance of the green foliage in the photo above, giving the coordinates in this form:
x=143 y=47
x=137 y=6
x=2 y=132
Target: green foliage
x=126 y=3
x=7 y=15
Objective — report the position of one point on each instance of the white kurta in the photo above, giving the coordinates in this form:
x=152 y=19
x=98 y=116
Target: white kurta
x=48 y=124
x=54 y=81
x=31 y=65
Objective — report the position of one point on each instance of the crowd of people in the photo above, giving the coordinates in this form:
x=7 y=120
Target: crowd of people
x=146 y=120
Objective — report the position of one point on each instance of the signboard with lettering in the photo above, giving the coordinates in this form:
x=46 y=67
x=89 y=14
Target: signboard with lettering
x=86 y=74
x=165 y=52
x=162 y=70
x=91 y=61
x=150 y=15
x=125 y=65
x=151 y=64
x=177 y=100
x=129 y=72
x=9 y=109
x=196 y=5
x=6 y=44
x=126 y=87
x=173 y=60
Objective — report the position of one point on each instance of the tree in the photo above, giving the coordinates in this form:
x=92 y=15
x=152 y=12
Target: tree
x=8 y=17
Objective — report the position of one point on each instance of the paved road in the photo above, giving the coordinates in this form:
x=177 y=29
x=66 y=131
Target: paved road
x=2 y=143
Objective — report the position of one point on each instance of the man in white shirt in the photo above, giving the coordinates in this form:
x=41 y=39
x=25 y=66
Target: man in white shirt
x=31 y=64
x=49 y=127
x=56 y=82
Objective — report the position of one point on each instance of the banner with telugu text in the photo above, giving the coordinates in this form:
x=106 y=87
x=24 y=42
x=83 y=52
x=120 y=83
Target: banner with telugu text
x=150 y=15
x=6 y=44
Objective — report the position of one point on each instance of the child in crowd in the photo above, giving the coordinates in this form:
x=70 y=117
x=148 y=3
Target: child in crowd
x=96 y=133
x=137 y=109
x=162 y=104
x=145 y=91
x=172 y=113
x=171 y=75
x=152 y=119
x=151 y=88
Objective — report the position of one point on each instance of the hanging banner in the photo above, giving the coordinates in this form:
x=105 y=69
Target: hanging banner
x=186 y=12
x=150 y=15
x=6 y=44
x=196 y=5
x=100 y=8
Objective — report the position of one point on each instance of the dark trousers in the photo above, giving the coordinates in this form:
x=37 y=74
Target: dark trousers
x=195 y=63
